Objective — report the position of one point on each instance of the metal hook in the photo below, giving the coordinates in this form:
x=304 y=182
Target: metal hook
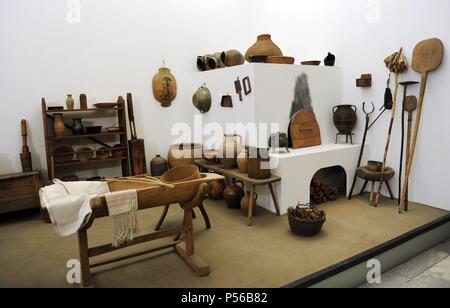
x=364 y=108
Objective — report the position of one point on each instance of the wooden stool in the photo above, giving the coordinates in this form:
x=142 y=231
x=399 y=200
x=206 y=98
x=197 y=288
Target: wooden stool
x=371 y=176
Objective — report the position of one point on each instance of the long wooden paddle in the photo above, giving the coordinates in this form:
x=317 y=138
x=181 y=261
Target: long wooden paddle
x=427 y=57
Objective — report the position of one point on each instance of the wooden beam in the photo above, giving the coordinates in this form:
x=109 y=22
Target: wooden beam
x=200 y=267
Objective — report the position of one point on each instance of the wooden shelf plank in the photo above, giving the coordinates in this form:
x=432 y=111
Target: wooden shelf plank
x=90 y=162
x=86 y=136
x=83 y=110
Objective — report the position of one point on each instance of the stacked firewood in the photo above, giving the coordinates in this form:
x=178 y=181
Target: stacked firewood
x=322 y=192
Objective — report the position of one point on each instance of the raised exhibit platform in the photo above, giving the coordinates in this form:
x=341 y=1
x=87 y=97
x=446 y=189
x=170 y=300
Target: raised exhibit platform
x=270 y=102
x=265 y=255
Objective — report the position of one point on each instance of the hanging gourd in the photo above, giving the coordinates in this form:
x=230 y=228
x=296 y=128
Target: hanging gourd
x=164 y=87
x=202 y=99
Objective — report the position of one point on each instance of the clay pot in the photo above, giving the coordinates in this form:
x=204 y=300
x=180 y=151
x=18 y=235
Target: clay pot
x=83 y=102
x=242 y=161
x=330 y=59
x=345 y=118
x=216 y=189
x=182 y=154
x=201 y=63
x=77 y=127
x=85 y=154
x=214 y=61
x=245 y=203
x=103 y=153
x=232 y=58
x=229 y=150
x=233 y=194
x=259 y=164
x=164 y=87
x=202 y=99
x=159 y=166
x=58 y=125
x=263 y=47
x=119 y=151
x=279 y=140
x=70 y=103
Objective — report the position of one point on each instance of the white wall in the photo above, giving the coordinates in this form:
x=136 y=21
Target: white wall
x=119 y=45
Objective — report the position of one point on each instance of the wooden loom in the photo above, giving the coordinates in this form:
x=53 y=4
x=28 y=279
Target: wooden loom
x=189 y=195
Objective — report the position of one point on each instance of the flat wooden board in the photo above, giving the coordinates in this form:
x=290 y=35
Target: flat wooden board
x=304 y=130
x=428 y=55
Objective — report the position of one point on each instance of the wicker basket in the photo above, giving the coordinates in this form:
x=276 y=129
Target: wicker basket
x=306 y=228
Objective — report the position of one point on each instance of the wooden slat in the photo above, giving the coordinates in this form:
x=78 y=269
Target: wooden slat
x=100 y=250
x=135 y=255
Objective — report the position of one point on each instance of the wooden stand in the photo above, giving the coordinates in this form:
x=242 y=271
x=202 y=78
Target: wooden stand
x=235 y=174
x=374 y=177
x=51 y=140
x=184 y=249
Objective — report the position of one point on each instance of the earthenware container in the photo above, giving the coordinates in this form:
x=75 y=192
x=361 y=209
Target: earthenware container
x=330 y=59
x=85 y=154
x=259 y=164
x=229 y=150
x=159 y=166
x=77 y=126
x=344 y=118
x=70 y=103
x=232 y=58
x=164 y=87
x=58 y=125
x=202 y=99
x=245 y=203
x=264 y=46
x=216 y=189
x=233 y=194
x=103 y=153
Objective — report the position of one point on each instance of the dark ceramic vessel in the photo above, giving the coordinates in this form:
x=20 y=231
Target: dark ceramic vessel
x=345 y=118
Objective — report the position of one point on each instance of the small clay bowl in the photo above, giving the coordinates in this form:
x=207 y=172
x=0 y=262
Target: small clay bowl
x=85 y=154
x=119 y=151
x=103 y=153
x=374 y=166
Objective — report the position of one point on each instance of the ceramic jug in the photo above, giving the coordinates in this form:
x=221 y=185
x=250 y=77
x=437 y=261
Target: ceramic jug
x=70 y=103
x=216 y=189
x=77 y=127
x=164 y=87
x=233 y=194
x=245 y=203
x=58 y=125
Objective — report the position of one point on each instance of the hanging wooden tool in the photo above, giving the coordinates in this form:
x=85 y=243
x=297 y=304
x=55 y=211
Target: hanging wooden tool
x=397 y=64
x=405 y=85
x=362 y=146
x=427 y=57
x=238 y=86
x=137 y=146
x=25 y=156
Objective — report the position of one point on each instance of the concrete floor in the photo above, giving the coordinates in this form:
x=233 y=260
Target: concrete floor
x=428 y=270
x=265 y=255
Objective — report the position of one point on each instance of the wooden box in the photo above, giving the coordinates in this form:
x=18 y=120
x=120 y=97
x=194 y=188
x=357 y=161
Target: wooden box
x=19 y=191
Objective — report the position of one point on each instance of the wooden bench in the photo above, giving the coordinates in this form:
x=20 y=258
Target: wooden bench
x=236 y=174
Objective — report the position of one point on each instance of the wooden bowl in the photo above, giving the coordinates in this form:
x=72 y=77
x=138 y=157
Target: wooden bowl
x=119 y=151
x=112 y=129
x=374 y=166
x=105 y=105
x=184 y=173
x=280 y=60
x=103 y=153
x=313 y=63
x=85 y=154
x=63 y=153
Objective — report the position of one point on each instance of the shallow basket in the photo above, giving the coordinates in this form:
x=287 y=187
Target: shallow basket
x=306 y=228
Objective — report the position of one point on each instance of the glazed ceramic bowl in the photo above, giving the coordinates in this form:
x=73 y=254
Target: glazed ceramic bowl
x=313 y=63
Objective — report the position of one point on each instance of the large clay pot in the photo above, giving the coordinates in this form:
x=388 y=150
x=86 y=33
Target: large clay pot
x=159 y=166
x=233 y=194
x=164 y=87
x=70 y=103
x=183 y=154
x=216 y=189
x=229 y=150
x=263 y=47
x=245 y=203
x=345 y=118
x=202 y=99
x=259 y=164
x=232 y=58
x=58 y=125
x=77 y=127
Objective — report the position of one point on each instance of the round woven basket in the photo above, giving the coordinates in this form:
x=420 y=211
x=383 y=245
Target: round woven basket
x=306 y=228
x=184 y=173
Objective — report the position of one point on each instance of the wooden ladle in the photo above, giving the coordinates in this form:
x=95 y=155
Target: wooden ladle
x=427 y=57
